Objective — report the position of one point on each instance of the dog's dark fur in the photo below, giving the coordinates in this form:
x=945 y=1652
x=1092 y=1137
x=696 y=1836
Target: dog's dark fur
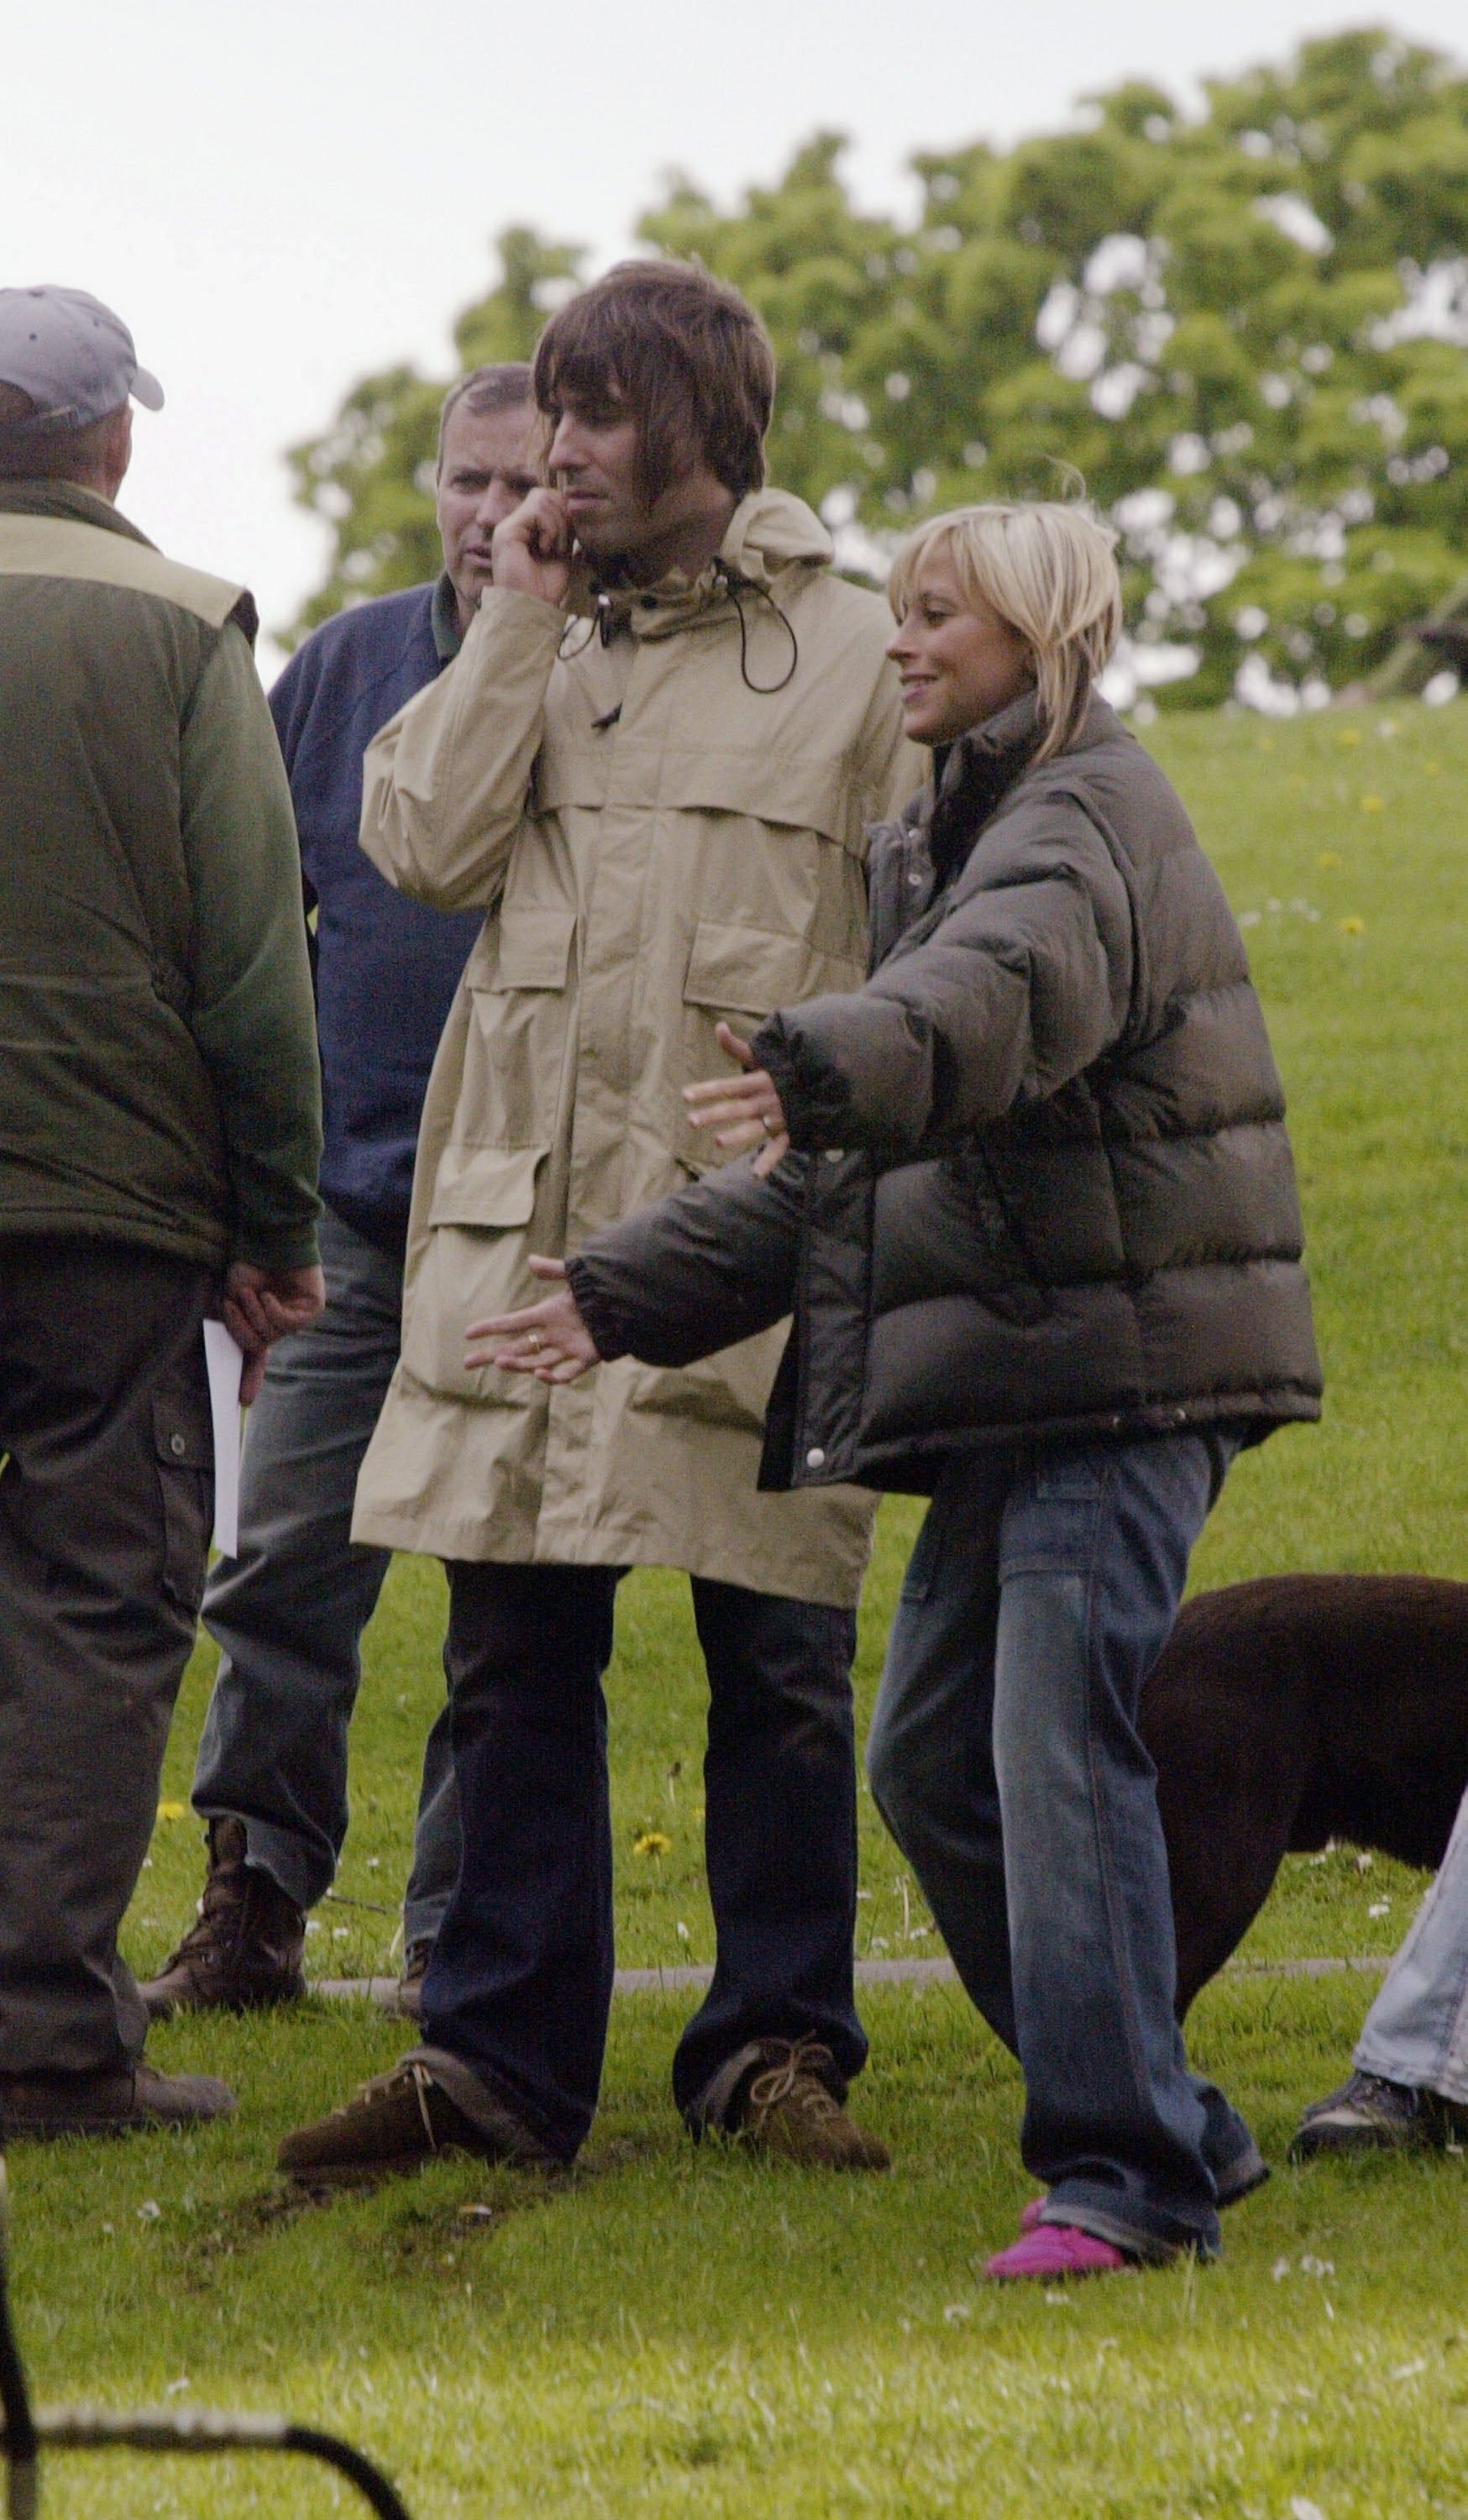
x=1291 y=1710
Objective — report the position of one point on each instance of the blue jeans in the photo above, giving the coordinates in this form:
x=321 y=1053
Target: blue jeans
x=288 y=1611
x=1416 y=2032
x=520 y=1980
x=1006 y=1760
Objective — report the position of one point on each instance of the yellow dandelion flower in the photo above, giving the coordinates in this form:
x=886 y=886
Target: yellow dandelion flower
x=1328 y=858
x=1352 y=927
x=1372 y=804
x=173 y=1811
x=651 y=1841
x=1350 y=735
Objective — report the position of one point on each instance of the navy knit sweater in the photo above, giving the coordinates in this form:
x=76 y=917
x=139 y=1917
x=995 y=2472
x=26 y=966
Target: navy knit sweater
x=387 y=967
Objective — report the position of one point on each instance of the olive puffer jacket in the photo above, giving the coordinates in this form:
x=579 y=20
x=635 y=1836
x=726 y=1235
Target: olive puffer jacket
x=1045 y=1189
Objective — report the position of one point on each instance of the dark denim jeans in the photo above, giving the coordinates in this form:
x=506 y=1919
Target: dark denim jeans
x=288 y=1611
x=1006 y=1760
x=520 y=1980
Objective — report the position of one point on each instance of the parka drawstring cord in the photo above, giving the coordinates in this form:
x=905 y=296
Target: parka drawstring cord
x=604 y=624
x=570 y=646
x=735 y=585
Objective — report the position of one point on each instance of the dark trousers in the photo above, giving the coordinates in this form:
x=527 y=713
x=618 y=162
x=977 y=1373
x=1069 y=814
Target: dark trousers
x=106 y=1499
x=520 y=1980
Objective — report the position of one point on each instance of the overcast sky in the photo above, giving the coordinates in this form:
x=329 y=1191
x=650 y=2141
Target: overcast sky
x=281 y=194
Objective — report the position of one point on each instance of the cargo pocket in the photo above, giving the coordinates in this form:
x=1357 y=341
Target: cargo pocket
x=515 y=1051
x=182 y=1444
x=483 y=1200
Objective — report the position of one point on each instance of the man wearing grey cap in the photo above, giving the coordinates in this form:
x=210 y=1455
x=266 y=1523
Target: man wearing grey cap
x=160 y=1133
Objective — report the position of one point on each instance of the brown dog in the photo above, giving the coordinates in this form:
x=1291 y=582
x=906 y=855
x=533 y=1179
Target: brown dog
x=1295 y=1709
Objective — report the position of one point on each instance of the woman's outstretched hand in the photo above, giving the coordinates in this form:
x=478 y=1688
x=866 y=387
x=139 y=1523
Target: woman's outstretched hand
x=741 y=1111
x=548 y=1339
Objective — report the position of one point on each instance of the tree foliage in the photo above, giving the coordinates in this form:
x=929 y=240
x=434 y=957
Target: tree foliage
x=1245 y=329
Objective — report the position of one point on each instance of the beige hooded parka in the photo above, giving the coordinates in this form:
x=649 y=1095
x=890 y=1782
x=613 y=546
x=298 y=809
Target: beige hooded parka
x=656 y=845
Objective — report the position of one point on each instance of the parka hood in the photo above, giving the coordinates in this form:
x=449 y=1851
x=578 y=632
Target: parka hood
x=770 y=530
x=768 y=533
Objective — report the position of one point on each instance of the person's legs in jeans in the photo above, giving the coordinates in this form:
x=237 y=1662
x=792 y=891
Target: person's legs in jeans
x=105 y=1511
x=780 y=1837
x=1091 y=1556
x=1416 y=2032
x=288 y=1611
x=1094 y=1556
x=519 y=1984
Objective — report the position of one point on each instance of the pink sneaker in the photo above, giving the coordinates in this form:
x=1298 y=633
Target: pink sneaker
x=1051 y=2250
x=1030 y=2214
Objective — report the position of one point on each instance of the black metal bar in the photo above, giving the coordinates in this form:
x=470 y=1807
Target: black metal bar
x=160 y=2428
x=152 y=2428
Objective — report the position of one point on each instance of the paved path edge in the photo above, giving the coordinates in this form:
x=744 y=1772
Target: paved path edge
x=934 y=1972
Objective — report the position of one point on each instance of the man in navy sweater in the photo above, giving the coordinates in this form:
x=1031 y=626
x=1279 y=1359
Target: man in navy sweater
x=288 y=1611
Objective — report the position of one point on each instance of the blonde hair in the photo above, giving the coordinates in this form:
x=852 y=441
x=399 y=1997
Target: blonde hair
x=1047 y=569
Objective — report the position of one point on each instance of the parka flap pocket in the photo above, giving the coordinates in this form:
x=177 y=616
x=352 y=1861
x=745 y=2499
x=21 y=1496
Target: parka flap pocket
x=535 y=949
x=786 y=790
x=492 y=1187
x=751 y=969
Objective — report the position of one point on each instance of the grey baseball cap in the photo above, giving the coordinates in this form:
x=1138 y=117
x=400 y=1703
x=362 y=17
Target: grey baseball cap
x=71 y=356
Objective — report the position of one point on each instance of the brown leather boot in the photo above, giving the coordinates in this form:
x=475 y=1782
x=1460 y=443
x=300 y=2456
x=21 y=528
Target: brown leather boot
x=246 y=1946
x=430 y=2102
x=790 y=2108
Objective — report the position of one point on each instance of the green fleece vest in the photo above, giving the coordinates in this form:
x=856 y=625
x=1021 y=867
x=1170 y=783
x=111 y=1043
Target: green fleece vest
x=109 y=1121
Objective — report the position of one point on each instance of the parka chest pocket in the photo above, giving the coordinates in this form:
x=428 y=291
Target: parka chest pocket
x=746 y=970
x=484 y=1201
x=534 y=948
x=518 y=980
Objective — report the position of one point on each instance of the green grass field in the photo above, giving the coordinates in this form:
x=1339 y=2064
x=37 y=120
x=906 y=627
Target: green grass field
x=672 y=2331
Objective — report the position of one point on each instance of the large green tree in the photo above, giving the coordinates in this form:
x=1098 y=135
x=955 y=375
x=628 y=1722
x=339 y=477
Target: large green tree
x=1245 y=330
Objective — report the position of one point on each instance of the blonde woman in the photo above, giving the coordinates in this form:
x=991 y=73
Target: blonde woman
x=1029 y=1196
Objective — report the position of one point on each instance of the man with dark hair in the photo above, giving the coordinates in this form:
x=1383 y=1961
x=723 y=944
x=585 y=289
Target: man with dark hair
x=289 y=1609
x=650 y=769
x=159 y=1131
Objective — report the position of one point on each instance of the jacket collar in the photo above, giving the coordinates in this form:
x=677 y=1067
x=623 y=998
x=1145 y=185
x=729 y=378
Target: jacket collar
x=443 y=620
x=972 y=775
x=68 y=501
x=770 y=533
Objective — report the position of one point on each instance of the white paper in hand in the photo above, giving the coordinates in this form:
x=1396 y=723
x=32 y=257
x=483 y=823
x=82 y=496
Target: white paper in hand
x=225 y=1360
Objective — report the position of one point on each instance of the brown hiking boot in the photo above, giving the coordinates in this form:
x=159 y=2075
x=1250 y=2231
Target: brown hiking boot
x=246 y=1946
x=108 y=2102
x=790 y=2108
x=429 y=2102
x=416 y=1961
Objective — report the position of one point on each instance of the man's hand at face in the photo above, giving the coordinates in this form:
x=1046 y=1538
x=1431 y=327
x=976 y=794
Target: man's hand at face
x=260 y=1305
x=533 y=547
